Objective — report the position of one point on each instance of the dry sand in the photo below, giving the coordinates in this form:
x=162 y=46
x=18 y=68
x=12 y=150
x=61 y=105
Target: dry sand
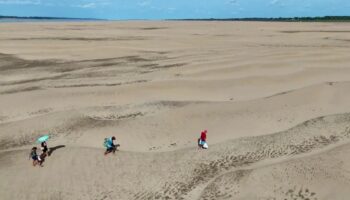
x=273 y=96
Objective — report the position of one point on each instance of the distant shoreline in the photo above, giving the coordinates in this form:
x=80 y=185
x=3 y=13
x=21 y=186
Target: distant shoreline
x=281 y=19
x=41 y=19
x=45 y=18
x=255 y=19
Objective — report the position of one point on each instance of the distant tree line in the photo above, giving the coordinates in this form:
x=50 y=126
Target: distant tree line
x=43 y=18
x=279 y=19
x=284 y=19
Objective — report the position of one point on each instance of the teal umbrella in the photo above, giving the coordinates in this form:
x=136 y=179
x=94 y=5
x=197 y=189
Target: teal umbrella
x=43 y=138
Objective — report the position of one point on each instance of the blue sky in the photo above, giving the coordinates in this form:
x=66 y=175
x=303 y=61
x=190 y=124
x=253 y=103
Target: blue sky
x=173 y=9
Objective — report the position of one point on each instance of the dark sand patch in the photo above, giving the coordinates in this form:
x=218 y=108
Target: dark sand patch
x=317 y=31
x=119 y=117
x=17 y=90
x=100 y=84
x=343 y=40
x=153 y=28
x=337 y=39
x=280 y=93
x=41 y=111
x=33 y=80
x=303 y=46
x=10 y=62
x=155 y=52
x=3 y=118
x=148 y=68
x=131 y=58
x=122 y=38
x=158 y=66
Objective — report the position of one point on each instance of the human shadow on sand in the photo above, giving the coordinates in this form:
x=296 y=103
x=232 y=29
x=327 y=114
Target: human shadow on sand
x=52 y=149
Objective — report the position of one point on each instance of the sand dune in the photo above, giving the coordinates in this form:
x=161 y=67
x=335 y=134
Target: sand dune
x=175 y=174
x=273 y=97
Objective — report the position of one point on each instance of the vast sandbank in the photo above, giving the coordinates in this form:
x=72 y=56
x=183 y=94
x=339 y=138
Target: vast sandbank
x=273 y=97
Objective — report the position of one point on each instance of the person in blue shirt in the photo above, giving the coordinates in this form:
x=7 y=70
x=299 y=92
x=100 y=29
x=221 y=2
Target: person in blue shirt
x=110 y=145
x=35 y=157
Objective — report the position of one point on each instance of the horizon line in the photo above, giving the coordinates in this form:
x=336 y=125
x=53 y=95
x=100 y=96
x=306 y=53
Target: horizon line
x=180 y=19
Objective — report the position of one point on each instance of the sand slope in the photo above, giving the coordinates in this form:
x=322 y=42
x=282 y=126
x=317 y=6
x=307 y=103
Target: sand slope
x=82 y=172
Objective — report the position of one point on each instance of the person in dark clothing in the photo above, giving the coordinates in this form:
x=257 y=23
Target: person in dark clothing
x=44 y=149
x=35 y=157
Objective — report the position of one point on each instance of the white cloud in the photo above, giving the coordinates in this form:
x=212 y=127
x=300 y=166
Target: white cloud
x=77 y=3
x=144 y=3
x=279 y=3
x=233 y=2
x=171 y=9
x=87 y=5
x=21 y=2
x=90 y=4
x=274 y=2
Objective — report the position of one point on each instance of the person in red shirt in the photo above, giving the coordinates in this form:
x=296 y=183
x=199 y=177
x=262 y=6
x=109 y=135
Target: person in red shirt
x=204 y=136
x=203 y=139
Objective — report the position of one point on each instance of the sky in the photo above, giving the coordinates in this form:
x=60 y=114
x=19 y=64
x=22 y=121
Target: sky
x=174 y=9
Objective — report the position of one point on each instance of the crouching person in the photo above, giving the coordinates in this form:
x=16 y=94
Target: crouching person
x=110 y=145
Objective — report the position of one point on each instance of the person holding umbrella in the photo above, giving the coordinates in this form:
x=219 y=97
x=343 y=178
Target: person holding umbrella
x=42 y=140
